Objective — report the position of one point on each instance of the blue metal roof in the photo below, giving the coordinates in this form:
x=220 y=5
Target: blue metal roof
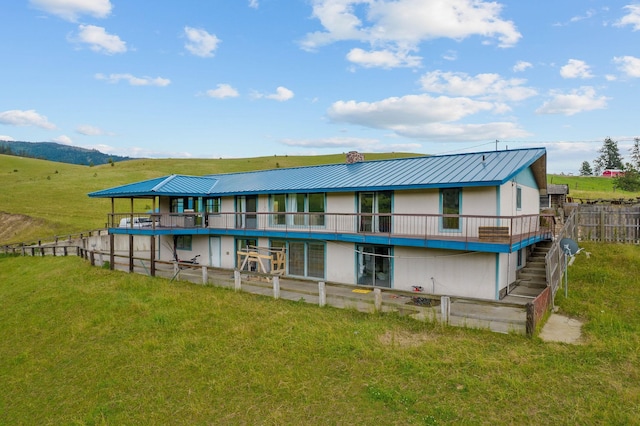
x=167 y=186
x=489 y=168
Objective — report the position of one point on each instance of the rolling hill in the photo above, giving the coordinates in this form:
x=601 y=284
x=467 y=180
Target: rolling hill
x=58 y=152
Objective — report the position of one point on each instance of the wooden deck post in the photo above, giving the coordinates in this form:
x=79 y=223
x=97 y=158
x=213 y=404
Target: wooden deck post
x=112 y=254
x=131 y=252
x=276 y=287
x=152 y=256
x=322 y=294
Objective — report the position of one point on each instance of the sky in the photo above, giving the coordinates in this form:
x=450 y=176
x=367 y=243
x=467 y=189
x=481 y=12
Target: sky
x=246 y=78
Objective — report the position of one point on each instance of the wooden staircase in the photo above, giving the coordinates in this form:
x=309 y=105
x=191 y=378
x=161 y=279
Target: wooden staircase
x=531 y=280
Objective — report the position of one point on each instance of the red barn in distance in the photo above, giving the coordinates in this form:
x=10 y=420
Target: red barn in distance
x=612 y=173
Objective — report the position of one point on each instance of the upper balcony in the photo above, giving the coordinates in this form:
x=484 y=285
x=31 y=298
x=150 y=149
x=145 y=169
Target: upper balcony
x=499 y=234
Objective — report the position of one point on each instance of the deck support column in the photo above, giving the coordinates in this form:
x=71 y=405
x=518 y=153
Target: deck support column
x=112 y=254
x=131 y=252
x=152 y=256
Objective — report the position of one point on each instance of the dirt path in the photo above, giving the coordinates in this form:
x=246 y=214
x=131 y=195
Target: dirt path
x=12 y=225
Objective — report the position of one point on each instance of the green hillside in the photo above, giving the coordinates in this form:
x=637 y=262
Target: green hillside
x=591 y=187
x=57 y=152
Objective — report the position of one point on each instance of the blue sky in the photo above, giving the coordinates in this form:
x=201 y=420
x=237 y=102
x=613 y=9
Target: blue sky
x=244 y=78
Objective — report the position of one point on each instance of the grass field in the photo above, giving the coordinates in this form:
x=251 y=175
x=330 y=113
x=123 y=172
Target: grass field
x=591 y=187
x=82 y=345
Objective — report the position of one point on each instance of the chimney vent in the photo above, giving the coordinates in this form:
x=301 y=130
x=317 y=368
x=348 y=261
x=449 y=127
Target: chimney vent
x=354 y=157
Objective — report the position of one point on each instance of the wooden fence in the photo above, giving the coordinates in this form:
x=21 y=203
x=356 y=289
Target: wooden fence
x=609 y=223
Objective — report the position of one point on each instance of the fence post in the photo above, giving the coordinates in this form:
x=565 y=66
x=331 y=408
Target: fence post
x=377 y=299
x=276 y=287
x=92 y=258
x=205 y=275
x=322 y=294
x=237 y=280
x=445 y=309
x=531 y=325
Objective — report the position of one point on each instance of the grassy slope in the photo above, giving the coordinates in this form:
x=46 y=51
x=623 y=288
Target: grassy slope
x=56 y=193
x=81 y=345
x=591 y=187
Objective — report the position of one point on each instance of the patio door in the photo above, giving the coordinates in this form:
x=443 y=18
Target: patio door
x=374 y=265
x=375 y=211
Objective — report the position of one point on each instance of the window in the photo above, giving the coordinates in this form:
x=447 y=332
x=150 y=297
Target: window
x=179 y=204
x=183 y=242
x=545 y=201
x=450 y=203
x=519 y=259
x=298 y=203
x=212 y=205
x=518 y=198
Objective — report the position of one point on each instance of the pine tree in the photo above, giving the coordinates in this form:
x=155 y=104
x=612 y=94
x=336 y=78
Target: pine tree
x=635 y=154
x=609 y=158
x=585 y=170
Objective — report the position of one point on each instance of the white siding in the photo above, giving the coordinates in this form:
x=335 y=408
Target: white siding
x=445 y=272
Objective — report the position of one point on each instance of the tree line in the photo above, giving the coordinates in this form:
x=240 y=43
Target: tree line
x=611 y=159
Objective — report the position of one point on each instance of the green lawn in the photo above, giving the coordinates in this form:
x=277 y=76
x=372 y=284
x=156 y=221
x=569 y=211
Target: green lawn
x=83 y=345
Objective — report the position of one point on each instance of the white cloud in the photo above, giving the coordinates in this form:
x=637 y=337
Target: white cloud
x=407 y=110
x=25 y=118
x=484 y=86
x=382 y=58
x=72 y=9
x=63 y=139
x=253 y=4
x=402 y=25
x=359 y=144
x=223 y=91
x=632 y=18
x=282 y=94
x=99 y=40
x=200 y=43
x=578 y=100
x=521 y=66
x=450 y=55
x=576 y=69
x=134 y=81
x=6 y=138
x=630 y=65
x=88 y=130
x=334 y=142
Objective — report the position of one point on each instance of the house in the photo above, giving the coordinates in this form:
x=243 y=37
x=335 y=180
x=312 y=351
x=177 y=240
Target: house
x=457 y=225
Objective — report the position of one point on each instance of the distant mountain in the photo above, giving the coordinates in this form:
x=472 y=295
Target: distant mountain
x=52 y=151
